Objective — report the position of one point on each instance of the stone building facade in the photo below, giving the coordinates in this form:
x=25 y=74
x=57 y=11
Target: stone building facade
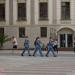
x=43 y=18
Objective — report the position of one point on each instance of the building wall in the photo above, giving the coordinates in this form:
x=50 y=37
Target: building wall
x=32 y=25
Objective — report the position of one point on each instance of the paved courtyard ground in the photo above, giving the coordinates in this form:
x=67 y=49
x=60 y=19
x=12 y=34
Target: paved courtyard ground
x=14 y=64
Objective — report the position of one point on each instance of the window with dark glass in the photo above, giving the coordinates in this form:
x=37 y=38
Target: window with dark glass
x=21 y=32
x=43 y=31
x=2 y=12
x=21 y=11
x=65 y=10
x=43 y=10
x=2 y=31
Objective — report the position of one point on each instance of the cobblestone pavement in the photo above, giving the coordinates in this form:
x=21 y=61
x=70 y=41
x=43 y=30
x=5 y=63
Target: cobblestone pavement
x=14 y=64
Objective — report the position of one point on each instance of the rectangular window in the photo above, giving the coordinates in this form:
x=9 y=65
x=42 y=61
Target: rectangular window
x=21 y=11
x=43 y=10
x=2 y=31
x=65 y=10
x=2 y=12
x=43 y=31
x=21 y=32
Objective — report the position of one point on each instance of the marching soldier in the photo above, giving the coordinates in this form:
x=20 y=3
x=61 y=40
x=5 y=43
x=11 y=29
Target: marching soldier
x=50 y=47
x=37 y=46
x=26 y=46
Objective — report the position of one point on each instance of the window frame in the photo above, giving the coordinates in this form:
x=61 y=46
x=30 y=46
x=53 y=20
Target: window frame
x=21 y=30
x=2 y=31
x=43 y=32
x=2 y=12
x=65 y=12
x=43 y=10
x=20 y=16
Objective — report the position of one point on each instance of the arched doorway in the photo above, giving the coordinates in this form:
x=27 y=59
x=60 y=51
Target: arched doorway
x=65 y=38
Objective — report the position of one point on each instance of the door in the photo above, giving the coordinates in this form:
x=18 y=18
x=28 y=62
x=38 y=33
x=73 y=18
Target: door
x=66 y=40
x=69 y=40
x=62 y=40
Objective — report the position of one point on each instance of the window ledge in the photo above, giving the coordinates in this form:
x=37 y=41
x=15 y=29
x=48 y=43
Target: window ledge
x=43 y=36
x=43 y=19
x=66 y=21
x=21 y=20
x=2 y=20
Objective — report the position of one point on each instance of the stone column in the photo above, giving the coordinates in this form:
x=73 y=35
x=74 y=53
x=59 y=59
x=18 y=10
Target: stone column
x=32 y=7
x=11 y=12
x=54 y=11
x=36 y=9
x=28 y=6
x=72 y=11
x=58 y=8
x=50 y=11
x=7 y=11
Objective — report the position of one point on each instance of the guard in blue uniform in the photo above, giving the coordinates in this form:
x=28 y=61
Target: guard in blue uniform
x=50 y=48
x=37 y=46
x=26 y=46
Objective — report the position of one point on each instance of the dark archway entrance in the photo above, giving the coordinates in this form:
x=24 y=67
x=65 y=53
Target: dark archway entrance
x=65 y=38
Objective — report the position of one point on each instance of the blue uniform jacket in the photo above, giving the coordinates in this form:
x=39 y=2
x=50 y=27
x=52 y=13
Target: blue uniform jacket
x=26 y=43
x=37 y=45
x=49 y=45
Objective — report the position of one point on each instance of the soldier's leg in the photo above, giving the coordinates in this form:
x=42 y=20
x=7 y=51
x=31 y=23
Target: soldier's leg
x=35 y=50
x=47 y=52
x=23 y=51
x=52 y=50
x=29 y=52
x=40 y=51
x=56 y=48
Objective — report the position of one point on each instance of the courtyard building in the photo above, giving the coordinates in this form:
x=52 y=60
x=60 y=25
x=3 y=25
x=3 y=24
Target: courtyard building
x=43 y=18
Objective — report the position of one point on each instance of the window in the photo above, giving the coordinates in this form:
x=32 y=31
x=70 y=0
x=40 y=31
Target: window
x=43 y=31
x=65 y=10
x=43 y=10
x=21 y=32
x=2 y=12
x=1 y=30
x=21 y=11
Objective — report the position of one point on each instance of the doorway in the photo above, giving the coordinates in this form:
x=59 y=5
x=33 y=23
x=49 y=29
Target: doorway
x=66 y=40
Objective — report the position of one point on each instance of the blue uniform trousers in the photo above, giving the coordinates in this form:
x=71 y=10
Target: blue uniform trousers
x=52 y=50
x=37 y=48
x=24 y=49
